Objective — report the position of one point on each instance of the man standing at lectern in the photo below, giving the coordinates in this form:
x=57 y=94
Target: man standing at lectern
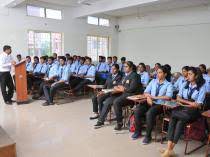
x=6 y=62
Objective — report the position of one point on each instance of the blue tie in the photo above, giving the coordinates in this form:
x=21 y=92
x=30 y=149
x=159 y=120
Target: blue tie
x=158 y=89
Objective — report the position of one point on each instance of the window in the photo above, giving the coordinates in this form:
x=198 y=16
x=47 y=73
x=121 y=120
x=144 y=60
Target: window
x=92 y=20
x=44 y=12
x=35 y=11
x=97 y=21
x=53 y=14
x=44 y=43
x=104 y=22
x=97 y=46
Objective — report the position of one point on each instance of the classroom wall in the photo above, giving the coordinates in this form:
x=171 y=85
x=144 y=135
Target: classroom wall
x=15 y=24
x=177 y=37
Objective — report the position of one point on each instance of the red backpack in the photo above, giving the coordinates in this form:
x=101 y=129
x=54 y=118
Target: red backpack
x=131 y=123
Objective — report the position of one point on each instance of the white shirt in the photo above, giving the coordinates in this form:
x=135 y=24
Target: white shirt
x=5 y=62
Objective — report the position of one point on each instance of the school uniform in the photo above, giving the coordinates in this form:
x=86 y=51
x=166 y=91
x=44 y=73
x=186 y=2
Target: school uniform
x=155 y=89
x=207 y=79
x=50 y=90
x=29 y=67
x=5 y=77
x=52 y=73
x=102 y=70
x=99 y=104
x=80 y=70
x=72 y=68
x=179 y=83
x=90 y=71
x=132 y=87
x=183 y=115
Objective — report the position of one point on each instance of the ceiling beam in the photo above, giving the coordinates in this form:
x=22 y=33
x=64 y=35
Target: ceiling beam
x=11 y=3
x=108 y=5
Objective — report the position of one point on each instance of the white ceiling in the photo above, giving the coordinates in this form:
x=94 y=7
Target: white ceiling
x=158 y=6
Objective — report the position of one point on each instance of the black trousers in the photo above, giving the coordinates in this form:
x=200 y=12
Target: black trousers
x=179 y=119
x=144 y=110
x=81 y=84
x=42 y=84
x=98 y=100
x=74 y=81
x=6 y=82
x=118 y=103
x=105 y=106
x=50 y=91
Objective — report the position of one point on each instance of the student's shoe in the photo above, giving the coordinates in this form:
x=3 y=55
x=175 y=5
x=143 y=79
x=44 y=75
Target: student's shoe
x=136 y=135
x=46 y=104
x=35 y=97
x=51 y=103
x=118 y=127
x=98 y=125
x=8 y=102
x=94 y=117
x=147 y=140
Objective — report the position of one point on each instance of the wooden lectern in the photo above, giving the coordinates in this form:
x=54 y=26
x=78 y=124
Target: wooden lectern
x=21 y=82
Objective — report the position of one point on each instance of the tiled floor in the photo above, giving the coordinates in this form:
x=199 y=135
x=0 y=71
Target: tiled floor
x=65 y=130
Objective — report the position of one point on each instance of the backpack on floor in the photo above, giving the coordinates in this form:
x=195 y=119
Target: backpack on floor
x=131 y=123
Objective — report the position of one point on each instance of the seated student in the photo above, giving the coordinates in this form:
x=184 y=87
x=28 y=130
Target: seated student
x=101 y=69
x=154 y=70
x=192 y=94
x=50 y=77
x=105 y=100
x=182 y=79
x=158 y=91
x=114 y=60
x=71 y=65
x=35 y=69
x=202 y=68
x=29 y=64
x=55 y=56
x=62 y=81
x=19 y=58
x=169 y=75
x=130 y=86
x=144 y=74
x=87 y=78
x=109 y=64
x=208 y=80
x=175 y=77
x=123 y=59
x=79 y=71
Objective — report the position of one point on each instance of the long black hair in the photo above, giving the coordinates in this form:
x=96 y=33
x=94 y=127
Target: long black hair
x=200 y=81
x=164 y=70
x=169 y=75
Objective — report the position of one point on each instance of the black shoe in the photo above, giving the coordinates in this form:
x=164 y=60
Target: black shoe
x=118 y=127
x=35 y=97
x=147 y=140
x=94 y=117
x=8 y=102
x=45 y=104
x=98 y=125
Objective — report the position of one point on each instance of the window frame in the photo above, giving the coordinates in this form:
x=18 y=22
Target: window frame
x=99 y=36
x=98 y=23
x=44 y=31
x=45 y=12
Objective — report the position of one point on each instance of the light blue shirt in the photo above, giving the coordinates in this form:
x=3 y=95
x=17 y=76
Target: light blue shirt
x=121 y=67
x=207 y=78
x=52 y=70
x=179 y=83
x=144 y=78
x=29 y=66
x=81 y=69
x=109 y=67
x=72 y=67
x=91 y=71
x=101 y=67
x=40 y=68
x=63 y=73
x=156 y=89
x=197 y=95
